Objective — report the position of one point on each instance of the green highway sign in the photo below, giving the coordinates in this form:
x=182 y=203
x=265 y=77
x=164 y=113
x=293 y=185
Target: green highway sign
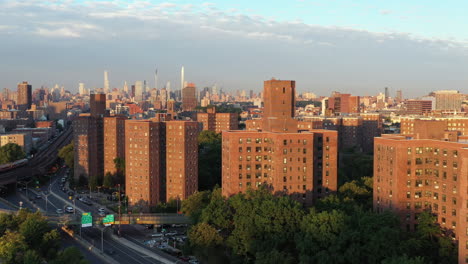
x=108 y=220
x=86 y=220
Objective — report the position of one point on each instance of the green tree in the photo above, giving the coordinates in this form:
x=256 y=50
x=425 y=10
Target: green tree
x=31 y=257
x=11 y=152
x=403 y=260
x=194 y=205
x=108 y=181
x=70 y=255
x=33 y=229
x=204 y=235
x=50 y=244
x=7 y=221
x=274 y=257
x=263 y=222
x=209 y=160
x=68 y=155
x=120 y=170
x=218 y=212
x=12 y=247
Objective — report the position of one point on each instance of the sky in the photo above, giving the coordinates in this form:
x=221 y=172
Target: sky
x=351 y=46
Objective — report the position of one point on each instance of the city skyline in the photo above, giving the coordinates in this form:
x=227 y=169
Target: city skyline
x=235 y=45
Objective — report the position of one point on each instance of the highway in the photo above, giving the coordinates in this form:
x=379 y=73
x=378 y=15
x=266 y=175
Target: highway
x=120 y=253
x=43 y=159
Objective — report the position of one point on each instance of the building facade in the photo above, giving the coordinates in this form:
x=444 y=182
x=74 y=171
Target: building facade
x=181 y=159
x=24 y=96
x=302 y=165
x=114 y=142
x=189 y=97
x=218 y=122
x=415 y=175
x=144 y=162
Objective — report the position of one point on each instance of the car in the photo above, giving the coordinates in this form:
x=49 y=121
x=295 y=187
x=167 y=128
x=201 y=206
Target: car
x=102 y=214
x=38 y=196
x=149 y=226
x=69 y=209
x=157 y=235
x=64 y=180
x=70 y=193
x=59 y=211
x=101 y=210
x=86 y=201
x=171 y=234
x=109 y=251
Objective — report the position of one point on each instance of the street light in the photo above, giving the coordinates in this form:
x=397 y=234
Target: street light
x=21 y=205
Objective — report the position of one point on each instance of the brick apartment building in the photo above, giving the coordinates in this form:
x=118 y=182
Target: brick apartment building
x=424 y=172
x=189 y=97
x=353 y=131
x=181 y=159
x=416 y=125
x=145 y=162
x=88 y=139
x=161 y=160
x=418 y=107
x=303 y=165
x=339 y=103
x=114 y=141
x=218 y=121
x=24 y=140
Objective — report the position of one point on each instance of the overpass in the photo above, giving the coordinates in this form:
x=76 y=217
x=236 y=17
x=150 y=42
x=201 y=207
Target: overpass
x=40 y=162
x=124 y=219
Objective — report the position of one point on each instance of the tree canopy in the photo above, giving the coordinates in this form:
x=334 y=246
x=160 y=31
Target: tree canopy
x=11 y=152
x=68 y=155
x=209 y=160
x=259 y=227
x=27 y=238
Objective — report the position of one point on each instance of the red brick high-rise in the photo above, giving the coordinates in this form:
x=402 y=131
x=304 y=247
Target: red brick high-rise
x=114 y=142
x=88 y=133
x=303 y=165
x=181 y=159
x=416 y=174
x=189 y=97
x=343 y=103
x=145 y=158
x=161 y=161
x=24 y=96
x=218 y=122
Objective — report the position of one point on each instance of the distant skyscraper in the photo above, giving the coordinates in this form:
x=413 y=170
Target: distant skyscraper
x=81 y=89
x=448 y=100
x=125 y=87
x=189 y=98
x=168 y=88
x=106 y=82
x=163 y=97
x=182 y=80
x=399 y=95
x=24 y=96
x=387 y=95
x=138 y=91
x=156 y=79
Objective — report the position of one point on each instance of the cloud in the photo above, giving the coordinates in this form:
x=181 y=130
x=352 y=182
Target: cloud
x=385 y=12
x=129 y=34
x=59 y=32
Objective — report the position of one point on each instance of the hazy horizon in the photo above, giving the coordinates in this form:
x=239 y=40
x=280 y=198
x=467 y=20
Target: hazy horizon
x=325 y=46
